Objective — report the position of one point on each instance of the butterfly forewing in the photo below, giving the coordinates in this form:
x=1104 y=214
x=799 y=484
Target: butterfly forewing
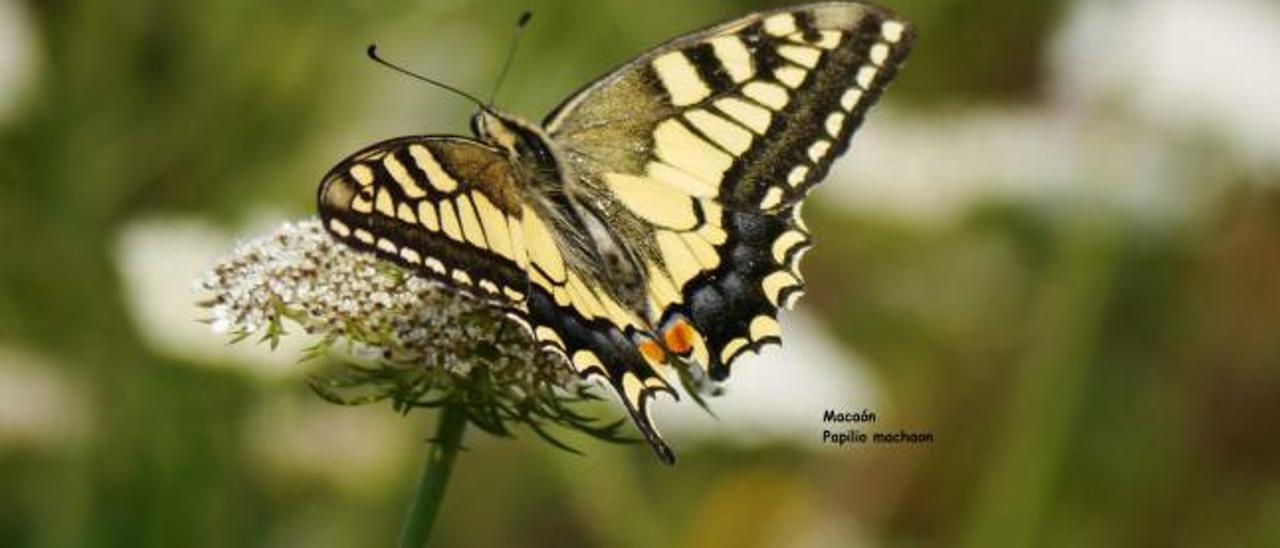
x=444 y=207
x=449 y=209
x=736 y=122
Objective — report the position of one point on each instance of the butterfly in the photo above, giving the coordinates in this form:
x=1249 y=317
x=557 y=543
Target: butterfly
x=652 y=220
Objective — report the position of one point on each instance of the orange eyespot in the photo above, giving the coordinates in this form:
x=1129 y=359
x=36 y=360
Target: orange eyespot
x=680 y=338
x=652 y=351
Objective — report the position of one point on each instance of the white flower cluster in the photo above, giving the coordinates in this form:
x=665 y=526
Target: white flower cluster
x=300 y=272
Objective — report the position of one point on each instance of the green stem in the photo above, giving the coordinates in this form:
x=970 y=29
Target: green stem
x=1015 y=494
x=435 y=476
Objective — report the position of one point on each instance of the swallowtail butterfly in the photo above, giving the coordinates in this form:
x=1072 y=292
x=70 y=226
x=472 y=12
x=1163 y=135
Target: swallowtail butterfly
x=652 y=220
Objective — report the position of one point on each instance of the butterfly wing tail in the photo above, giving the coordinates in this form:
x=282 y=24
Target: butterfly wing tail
x=596 y=347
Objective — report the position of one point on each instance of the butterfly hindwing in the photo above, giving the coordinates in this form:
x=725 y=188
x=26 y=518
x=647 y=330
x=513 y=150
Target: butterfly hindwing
x=450 y=209
x=735 y=124
x=572 y=316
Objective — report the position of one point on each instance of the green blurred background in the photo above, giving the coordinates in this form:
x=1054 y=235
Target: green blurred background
x=1056 y=246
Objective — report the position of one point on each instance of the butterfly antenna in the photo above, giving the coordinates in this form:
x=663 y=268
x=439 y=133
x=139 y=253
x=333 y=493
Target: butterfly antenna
x=373 y=54
x=511 y=53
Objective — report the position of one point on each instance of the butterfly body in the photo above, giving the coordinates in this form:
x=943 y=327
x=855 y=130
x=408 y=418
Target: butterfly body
x=652 y=220
x=599 y=244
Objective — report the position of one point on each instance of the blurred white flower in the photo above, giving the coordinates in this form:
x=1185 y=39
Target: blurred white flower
x=934 y=167
x=39 y=405
x=1144 y=96
x=158 y=258
x=780 y=394
x=17 y=55
x=1179 y=65
x=358 y=449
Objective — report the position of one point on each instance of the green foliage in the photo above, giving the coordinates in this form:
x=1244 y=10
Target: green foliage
x=220 y=111
x=494 y=400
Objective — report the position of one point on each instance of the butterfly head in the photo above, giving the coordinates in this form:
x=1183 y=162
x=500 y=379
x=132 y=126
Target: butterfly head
x=523 y=142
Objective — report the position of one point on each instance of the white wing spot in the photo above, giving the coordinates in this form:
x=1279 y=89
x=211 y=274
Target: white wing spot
x=546 y=334
x=797 y=217
x=835 y=123
x=586 y=360
x=775 y=283
x=866 y=76
x=772 y=198
x=797 y=175
x=632 y=387
x=819 y=149
x=794 y=263
x=732 y=349
x=340 y=228
x=763 y=327
x=785 y=243
x=892 y=31
x=879 y=53
x=850 y=99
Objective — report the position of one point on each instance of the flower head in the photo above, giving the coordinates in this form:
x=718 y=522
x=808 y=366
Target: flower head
x=408 y=339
